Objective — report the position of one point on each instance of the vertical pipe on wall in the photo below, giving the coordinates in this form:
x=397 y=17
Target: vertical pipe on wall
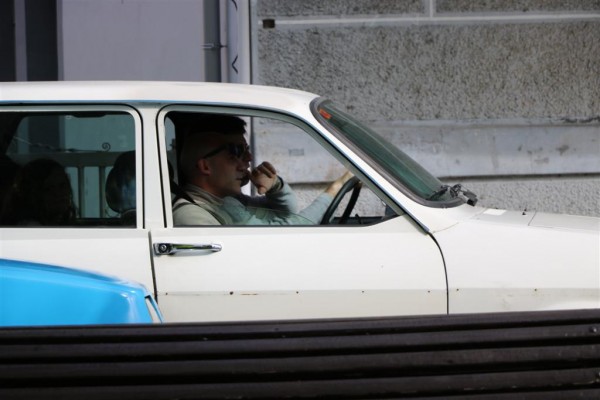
x=212 y=41
x=238 y=41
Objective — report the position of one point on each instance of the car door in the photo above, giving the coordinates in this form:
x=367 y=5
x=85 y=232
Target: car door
x=379 y=263
x=71 y=188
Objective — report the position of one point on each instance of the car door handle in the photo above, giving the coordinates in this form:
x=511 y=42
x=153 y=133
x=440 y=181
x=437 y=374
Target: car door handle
x=162 y=249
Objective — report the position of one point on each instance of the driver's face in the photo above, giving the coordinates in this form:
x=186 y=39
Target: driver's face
x=229 y=172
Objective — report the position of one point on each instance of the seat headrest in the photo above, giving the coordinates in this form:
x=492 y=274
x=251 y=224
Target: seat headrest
x=120 y=183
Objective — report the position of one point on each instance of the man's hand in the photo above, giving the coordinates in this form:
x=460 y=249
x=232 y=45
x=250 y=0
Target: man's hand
x=336 y=185
x=263 y=177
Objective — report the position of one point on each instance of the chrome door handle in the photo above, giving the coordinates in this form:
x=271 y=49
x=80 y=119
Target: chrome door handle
x=162 y=249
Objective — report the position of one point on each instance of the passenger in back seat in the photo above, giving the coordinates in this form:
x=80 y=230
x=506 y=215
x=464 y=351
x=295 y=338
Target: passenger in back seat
x=41 y=194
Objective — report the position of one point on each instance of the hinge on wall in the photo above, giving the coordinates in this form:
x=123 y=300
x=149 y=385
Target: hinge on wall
x=213 y=46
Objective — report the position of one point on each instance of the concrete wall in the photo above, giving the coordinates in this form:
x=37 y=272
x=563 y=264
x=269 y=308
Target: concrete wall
x=502 y=95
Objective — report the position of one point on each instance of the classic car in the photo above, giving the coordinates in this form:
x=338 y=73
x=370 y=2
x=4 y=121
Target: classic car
x=403 y=244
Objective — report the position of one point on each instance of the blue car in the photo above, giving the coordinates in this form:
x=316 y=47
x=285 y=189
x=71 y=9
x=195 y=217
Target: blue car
x=33 y=294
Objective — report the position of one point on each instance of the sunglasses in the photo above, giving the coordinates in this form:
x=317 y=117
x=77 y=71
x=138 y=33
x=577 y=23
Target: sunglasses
x=234 y=150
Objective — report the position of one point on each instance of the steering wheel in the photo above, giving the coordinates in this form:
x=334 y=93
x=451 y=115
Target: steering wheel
x=353 y=184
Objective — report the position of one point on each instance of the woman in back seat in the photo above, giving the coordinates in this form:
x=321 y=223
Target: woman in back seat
x=40 y=195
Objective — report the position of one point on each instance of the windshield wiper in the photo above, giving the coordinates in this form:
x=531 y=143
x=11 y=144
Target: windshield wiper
x=439 y=193
x=455 y=191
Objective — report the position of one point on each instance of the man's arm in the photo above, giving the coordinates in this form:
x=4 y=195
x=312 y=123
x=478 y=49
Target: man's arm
x=318 y=207
x=336 y=185
x=279 y=198
x=278 y=194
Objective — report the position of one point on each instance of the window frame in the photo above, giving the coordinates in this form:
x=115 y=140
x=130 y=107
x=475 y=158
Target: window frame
x=77 y=107
x=279 y=115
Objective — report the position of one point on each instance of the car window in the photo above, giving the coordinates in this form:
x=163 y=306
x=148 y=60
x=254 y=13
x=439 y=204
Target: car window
x=67 y=168
x=305 y=165
x=387 y=158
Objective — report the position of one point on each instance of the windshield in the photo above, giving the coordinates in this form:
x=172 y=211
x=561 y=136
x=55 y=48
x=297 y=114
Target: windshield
x=386 y=157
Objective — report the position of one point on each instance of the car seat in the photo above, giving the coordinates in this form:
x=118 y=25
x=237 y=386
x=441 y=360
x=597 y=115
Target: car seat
x=120 y=188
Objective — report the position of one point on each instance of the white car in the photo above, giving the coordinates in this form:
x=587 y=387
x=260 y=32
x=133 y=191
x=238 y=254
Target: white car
x=409 y=245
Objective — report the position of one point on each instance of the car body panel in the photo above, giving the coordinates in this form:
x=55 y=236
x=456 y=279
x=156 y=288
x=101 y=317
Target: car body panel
x=515 y=261
x=384 y=269
x=116 y=252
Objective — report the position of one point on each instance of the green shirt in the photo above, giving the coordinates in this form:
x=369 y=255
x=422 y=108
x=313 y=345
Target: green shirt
x=276 y=207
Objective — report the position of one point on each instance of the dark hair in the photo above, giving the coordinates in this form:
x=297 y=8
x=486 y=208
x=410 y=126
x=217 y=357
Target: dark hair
x=223 y=124
x=25 y=204
x=187 y=123
x=192 y=126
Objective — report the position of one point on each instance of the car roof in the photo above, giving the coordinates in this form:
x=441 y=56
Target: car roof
x=152 y=91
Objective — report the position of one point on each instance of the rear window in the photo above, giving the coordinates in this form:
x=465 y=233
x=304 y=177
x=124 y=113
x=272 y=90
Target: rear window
x=67 y=168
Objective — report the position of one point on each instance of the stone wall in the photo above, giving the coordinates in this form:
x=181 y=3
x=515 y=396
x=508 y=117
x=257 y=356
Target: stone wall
x=503 y=95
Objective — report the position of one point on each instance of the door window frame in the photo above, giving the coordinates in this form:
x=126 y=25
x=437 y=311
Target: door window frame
x=278 y=115
x=65 y=108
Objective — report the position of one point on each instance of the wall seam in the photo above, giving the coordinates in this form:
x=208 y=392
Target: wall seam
x=432 y=20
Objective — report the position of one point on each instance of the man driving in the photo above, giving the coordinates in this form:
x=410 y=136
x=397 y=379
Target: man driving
x=215 y=161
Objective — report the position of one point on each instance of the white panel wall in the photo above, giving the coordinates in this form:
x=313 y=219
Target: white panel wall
x=130 y=40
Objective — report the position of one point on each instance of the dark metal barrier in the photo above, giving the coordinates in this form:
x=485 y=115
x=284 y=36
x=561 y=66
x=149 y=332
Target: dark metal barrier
x=533 y=355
